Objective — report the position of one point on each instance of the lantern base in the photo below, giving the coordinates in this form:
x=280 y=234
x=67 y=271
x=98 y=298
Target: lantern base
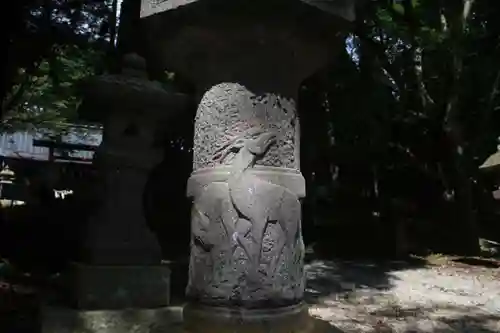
x=67 y=320
x=292 y=319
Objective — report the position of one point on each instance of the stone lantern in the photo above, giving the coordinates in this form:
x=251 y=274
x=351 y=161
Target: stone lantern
x=247 y=60
x=7 y=178
x=120 y=269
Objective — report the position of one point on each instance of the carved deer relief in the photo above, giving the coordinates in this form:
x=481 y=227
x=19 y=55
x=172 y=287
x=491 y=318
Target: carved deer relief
x=212 y=209
x=211 y=205
x=257 y=200
x=206 y=239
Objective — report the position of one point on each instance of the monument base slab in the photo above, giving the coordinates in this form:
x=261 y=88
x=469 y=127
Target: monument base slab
x=175 y=319
x=119 y=287
x=66 y=320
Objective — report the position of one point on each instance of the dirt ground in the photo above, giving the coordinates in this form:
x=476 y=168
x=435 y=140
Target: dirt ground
x=438 y=295
x=441 y=295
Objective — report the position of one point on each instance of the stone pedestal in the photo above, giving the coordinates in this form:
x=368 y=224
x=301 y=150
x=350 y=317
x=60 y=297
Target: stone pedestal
x=115 y=299
x=135 y=320
x=121 y=275
x=120 y=287
x=247 y=59
x=209 y=319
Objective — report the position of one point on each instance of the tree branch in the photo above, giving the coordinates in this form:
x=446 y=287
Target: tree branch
x=415 y=57
x=490 y=105
x=10 y=103
x=378 y=51
x=457 y=29
x=493 y=95
x=467 y=8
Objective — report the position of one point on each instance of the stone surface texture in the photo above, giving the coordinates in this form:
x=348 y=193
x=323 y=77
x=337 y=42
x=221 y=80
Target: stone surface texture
x=340 y=8
x=227 y=109
x=247 y=246
x=294 y=319
x=247 y=60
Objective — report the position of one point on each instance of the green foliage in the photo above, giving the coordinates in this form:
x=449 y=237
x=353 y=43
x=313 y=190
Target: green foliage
x=49 y=95
x=51 y=46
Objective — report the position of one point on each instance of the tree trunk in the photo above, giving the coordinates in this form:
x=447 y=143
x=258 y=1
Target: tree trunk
x=14 y=18
x=467 y=234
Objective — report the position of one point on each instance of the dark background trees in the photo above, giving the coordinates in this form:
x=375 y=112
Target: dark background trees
x=406 y=119
x=393 y=131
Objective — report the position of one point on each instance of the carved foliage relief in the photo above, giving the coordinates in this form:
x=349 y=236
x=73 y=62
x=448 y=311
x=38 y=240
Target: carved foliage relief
x=229 y=108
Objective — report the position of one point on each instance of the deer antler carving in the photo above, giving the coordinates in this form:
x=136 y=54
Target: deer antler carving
x=236 y=142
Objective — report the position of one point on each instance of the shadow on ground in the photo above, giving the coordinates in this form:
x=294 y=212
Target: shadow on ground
x=336 y=289
x=337 y=277
x=353 y=317
x=438 y=319
x=355 y=297
x=487 y=263
x=19 y=312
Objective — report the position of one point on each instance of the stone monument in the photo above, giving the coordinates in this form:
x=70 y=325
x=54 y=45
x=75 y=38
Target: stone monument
x=121 y=285
x=247 y=60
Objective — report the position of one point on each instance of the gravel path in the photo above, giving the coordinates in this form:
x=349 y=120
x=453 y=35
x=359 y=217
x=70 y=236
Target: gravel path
x=398 y=297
